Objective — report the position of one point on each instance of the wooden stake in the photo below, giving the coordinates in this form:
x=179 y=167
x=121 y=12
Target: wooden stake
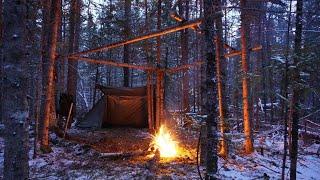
x=66 y=125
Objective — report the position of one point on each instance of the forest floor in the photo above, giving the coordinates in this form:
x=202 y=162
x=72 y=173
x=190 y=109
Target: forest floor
x=124 y=153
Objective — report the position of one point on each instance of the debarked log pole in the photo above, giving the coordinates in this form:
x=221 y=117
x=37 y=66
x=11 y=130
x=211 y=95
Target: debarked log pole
x=150 y=101
x=183 y=67
x=238 y=53
x=159 y=98
x=110 y=63
x=158 y=33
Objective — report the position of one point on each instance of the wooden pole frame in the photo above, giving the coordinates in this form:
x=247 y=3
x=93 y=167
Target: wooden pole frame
x=154 y=123
x=158 y=33
x=150 y=101
x=109 y=62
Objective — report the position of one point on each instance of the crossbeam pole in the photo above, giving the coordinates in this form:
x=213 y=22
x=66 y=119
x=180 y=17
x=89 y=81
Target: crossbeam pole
x=238 y=53
x=110 y=63
x=162 y=32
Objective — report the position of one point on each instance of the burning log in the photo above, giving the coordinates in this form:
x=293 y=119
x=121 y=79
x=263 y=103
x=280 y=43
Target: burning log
x=165 y=144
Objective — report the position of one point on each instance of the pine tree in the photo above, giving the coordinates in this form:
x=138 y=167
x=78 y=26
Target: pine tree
x=210 y=91
x=297 y=92
x=15 y=97
x=245 y=79
x=55 y=18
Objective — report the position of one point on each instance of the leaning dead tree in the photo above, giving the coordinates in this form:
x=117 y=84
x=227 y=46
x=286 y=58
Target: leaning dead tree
x=15 y=97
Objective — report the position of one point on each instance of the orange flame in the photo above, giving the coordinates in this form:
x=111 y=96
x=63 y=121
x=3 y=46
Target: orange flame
x=164 y=142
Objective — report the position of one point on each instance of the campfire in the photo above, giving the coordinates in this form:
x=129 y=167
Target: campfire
x=164 y=142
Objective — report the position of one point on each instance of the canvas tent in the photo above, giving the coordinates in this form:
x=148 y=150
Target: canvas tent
x=118 y=107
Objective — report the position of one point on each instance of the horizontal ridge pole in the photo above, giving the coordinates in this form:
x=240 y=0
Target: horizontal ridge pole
x=167 y=30
x=184 y=67
x=109 y=63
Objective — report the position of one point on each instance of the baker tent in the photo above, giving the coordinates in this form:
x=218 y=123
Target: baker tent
x=118 y=107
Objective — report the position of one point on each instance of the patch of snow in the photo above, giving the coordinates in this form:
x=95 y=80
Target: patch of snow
x=279 y=59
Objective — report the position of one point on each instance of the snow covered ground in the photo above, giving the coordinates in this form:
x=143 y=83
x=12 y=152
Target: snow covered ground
x=70 y=160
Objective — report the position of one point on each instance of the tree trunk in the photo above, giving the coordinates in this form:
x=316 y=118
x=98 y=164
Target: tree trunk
x=220 y=79
x=55 y=17
x=211 y=94
x=126 y=48
x=297 y=92
x=245 y=79
x=44 y=59
x=284 y=103
x=1 y=64
x=184 y=12
x=159 y=78
x=74 y=36
x=15 y=98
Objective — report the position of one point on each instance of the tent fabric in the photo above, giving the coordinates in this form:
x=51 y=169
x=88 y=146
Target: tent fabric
x=126 y=111
x=118 y=107
x=136 y=91
x=93 y=118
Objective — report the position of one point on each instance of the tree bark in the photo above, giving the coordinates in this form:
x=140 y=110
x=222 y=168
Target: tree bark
x=74 y=36
x=126 y=48
x=1 y=63
x=220 y=59
x=297 y=92
x=159 y=74
x=284 y=104
x=44 y=59
x=15 y=98
x=245 y=79
x=211 y=91
x=55 y=17
x=184 y=12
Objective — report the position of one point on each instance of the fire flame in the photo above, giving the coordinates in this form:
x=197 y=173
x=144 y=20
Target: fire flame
x=164 y=142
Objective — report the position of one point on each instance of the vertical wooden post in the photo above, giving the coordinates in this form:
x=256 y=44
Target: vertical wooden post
x=159 y=98
x=162 y=120
x=150 y=102
x=157 y=125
